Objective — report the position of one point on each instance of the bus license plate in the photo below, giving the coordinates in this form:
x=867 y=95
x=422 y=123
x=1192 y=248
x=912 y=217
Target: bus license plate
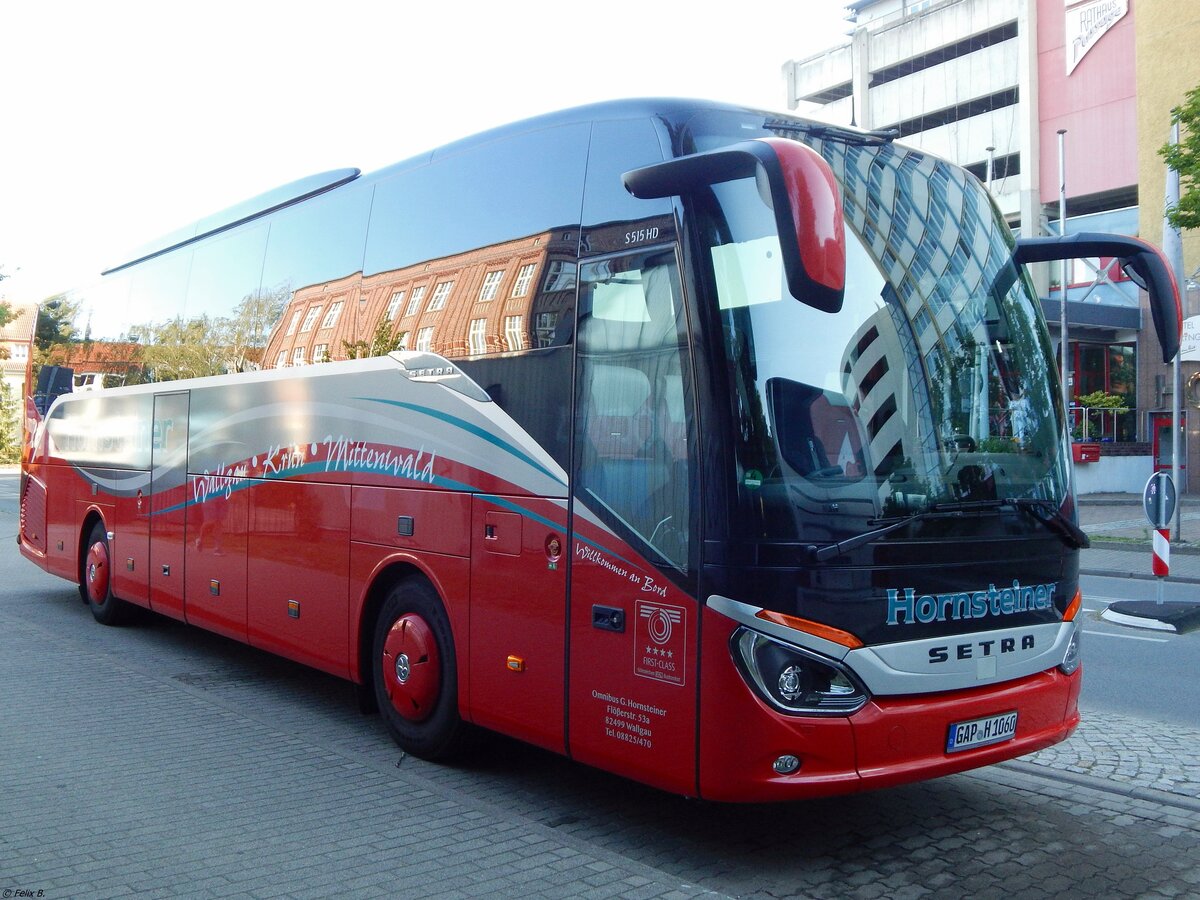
x=981 y=732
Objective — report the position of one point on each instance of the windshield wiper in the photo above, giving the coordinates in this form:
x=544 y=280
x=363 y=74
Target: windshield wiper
x=1041 y=510
x=1051 y=516
x=827 y=132
x=822 y=553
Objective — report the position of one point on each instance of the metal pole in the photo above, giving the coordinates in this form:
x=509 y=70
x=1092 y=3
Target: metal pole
x=1062 y=286
x=991 y=169
x=1173 y=246
x=1162 y=515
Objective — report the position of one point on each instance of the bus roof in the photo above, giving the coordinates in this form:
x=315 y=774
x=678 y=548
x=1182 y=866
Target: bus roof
x=285 y=195
x=673 y=109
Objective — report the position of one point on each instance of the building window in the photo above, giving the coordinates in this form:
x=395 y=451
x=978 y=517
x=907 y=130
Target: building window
x=477 y=337
x=514 y=332
x=491 y=285
x=20 y=352
x=547 y=324
x=311 y=319
x=298 y=356
x=321 y=353
x=524 y=279
x=425 y=338
x=440 y=293
x=394 y=305
x=331 y=317
x=295 y=321
x=414 y=303
x=281 y=360
x=561 y=276
x=1104 y=369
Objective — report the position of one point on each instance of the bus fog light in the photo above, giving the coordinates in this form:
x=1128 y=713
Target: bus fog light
x=1072 y=658
x=795 y=680
x=786 y=764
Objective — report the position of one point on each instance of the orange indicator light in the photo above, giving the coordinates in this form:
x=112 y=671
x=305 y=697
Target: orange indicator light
x=1073 y=608
x=845 y=638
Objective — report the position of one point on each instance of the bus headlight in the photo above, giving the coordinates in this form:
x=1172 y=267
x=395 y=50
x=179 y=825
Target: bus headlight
x=794 y=680
x=1071 y=658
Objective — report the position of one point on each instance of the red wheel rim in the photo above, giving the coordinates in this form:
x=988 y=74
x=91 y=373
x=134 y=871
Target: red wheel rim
x=95 y=571
x=410 y=667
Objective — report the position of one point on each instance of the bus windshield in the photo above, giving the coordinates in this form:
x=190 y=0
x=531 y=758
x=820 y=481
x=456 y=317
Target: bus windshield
x=933 y=385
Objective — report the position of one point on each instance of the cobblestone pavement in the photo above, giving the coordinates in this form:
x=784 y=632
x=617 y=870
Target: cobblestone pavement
x=1131 y=756
x=159 y=760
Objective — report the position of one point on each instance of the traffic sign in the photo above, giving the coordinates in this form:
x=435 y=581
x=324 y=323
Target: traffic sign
x=1158 y=499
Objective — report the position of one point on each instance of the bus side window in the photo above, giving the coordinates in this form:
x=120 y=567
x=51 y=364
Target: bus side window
x=632 y=466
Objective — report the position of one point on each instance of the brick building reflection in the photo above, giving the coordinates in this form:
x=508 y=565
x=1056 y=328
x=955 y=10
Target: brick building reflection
x=517 y=295
x=503 y=298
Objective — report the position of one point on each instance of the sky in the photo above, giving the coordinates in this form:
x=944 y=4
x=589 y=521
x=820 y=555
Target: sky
x=121 y=121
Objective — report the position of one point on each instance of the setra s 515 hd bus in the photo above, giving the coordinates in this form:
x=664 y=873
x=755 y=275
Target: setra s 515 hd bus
x=715 y=448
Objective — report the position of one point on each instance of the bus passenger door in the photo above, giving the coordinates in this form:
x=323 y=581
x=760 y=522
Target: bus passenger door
x=633 y=630
x=168 y=502
x=518 y=599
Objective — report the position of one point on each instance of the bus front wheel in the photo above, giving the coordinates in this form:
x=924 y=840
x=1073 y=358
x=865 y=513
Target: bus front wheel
x=95 y=580
x=416 y=675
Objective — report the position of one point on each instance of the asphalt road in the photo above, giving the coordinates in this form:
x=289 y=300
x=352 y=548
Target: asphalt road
x=1135 y=671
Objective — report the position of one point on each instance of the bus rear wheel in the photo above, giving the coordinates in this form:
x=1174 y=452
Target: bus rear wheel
x=415 y=672
x=95 y=580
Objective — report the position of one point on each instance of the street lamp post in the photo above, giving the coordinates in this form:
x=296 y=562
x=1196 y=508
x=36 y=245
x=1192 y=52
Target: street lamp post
x=1062 y=313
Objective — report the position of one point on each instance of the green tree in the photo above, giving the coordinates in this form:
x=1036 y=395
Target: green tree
x=1184 y=158
x=382 y=342
x=1094 y=402
x=56 y=322
x=246 y=332
x=6 y=313
x=10 y=424
x=183 y=348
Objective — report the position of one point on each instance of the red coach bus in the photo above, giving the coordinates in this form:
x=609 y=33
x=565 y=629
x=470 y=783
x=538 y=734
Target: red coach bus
x=715 y=448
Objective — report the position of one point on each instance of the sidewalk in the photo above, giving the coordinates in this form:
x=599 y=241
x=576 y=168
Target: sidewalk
x=1121 y=537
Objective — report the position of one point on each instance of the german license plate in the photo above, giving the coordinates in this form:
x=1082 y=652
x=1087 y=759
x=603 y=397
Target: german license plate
x=981 y=732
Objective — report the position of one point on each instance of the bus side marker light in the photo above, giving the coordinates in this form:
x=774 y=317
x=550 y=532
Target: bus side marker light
x=516 y=664
x=129 y=563
x=294 y=609
x=1073 y=607
x=214 y=588
x=786 y=764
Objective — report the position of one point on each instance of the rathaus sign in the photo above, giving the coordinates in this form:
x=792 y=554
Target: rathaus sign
x=1087 y=23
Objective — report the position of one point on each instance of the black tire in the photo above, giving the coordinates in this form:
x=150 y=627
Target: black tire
x=95 y=580
x=415 y=673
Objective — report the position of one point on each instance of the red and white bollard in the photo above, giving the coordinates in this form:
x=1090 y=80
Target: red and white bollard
x=1161 y=565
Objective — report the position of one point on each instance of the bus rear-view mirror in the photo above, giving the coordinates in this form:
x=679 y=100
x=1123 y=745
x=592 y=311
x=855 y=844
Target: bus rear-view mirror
x=1142 y=262
x=802 y=192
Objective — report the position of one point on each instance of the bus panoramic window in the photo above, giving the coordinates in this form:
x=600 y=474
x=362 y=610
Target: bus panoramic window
x=927 y=387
